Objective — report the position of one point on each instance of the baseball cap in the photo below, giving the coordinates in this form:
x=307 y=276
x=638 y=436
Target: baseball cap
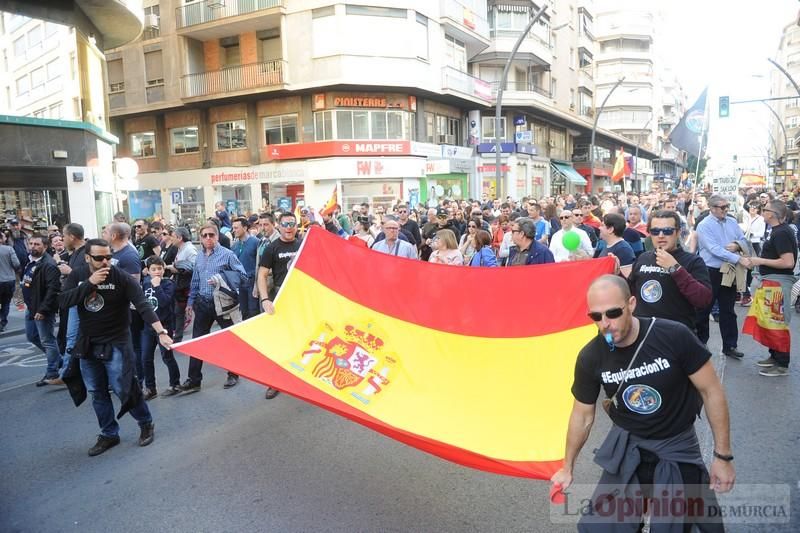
x=441 y=212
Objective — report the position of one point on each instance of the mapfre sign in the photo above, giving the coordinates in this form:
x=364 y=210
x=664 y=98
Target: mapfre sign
x=337 y=148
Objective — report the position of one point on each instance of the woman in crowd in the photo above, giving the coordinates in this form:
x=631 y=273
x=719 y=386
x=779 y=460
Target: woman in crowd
x=467 y=245
x=483 y=251
x=499 y=231
x=445 y=249
x=362 y=231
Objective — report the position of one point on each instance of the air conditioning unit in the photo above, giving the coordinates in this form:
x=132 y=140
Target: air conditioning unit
x=151 y=21
x=447 y=139
x=215 y=3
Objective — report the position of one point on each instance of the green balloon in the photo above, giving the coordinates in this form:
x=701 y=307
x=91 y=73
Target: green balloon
x=571 y=240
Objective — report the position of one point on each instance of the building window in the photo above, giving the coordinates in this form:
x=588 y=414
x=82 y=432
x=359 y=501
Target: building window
x=35 y=37
x=40 y=113
x=23 y=86
x=37 y=78
x=143 y=144
x=455 y=53
x=116 y=76
x=280 y=130
x=323 y=25
x=53 y=69
x=430 y=127
x=269 y=45
x=185 y=140
x=585 y=104
x=421 y=36
x=230 y=55
x=154 y=68
x=55 y=111
x=151 y=14
x=584 y=58
x=349 y=124
x=19 y=47
x=231 y=135
x=488 y=130
x=792 y=122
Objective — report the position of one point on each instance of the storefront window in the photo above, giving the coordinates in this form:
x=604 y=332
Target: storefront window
x=237 y=199
x=280 y=130
x=231 y=135
x=104 y=205
x=184 y=140
x=35 y=209
x=143 y=144
x=558 y=144
x=144 y=204
x=188 y=205
x=375 y=193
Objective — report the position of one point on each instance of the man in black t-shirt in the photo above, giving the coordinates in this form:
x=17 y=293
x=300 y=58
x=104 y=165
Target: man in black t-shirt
x=655 y=399
x=776 y=262
x=103 y=295
x=276 y=259
x=611 y=231
x=146 y=244
x=669 y=282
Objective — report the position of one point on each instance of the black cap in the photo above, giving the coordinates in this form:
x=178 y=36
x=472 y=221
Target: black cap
x=441 y=212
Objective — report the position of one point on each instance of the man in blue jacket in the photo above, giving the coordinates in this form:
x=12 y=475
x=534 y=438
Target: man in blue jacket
x=526 y=250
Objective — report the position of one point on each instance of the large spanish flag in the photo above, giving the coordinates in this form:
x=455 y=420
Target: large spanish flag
x=765 y=320
x=473 y=365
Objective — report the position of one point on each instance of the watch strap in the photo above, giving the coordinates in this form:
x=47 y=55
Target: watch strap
x=723 y=457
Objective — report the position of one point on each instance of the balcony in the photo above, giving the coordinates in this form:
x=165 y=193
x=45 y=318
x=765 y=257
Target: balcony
x=522 y=93
x=197 y=19
x=236 y=80
x=462 y=84
x=585 y=78
x=465 y=25
x=533 y=50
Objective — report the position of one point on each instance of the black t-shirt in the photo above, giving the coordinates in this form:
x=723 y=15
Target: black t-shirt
x=277 y=257
x=412 y=228
x=656 y=292
x=145 y=247
x=781 y=241
x=657 y=399
x=622 y=250
x=104 y=309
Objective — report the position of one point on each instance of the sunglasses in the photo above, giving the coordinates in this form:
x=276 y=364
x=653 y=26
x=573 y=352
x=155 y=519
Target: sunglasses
x=208 y=235
x=662 y=231
x=562 y=217
x=138 y=226
x=402 y=212
x=473 y=226
x=164 y=234
x=611 y=314
x=99 y=258
x=288 y=224
x=723 y=207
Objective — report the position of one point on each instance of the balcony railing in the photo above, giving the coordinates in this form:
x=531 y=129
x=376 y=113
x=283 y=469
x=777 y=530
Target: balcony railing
x=456 y=80
x=494 y=34
x=232 y=79
x=210 y=10
x=456 y=11
x=522 y=86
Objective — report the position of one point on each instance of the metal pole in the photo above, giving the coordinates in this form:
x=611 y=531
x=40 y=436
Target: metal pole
x=501 y=85
x=777 y=66
x=638 y=188
x=783 y=128
x=594 y=130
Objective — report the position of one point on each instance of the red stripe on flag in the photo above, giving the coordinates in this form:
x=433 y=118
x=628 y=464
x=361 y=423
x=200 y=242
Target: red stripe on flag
x=775 y=339
x=217 y=349
x=431 y=294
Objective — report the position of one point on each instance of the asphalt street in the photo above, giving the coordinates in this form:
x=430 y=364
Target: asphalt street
x=228 y=460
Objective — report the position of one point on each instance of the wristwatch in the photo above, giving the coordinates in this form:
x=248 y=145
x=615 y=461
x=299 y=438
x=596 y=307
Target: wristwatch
x=673 y=269
x=727 y=458
x=163 y=332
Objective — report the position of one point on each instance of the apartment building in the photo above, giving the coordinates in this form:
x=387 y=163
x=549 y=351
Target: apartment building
x=785 y=127
x=56 y=156
x=647 y=104
x=275 y=102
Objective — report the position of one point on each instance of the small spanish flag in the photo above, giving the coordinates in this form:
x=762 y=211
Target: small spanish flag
x=621 y=167
x=765 y=320
x=482 y=389
x=330 y=207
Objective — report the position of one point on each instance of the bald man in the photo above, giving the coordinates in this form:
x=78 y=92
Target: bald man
x=655 y=373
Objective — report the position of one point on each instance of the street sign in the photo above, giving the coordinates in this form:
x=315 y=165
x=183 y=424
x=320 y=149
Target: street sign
x=177 y=197
x=525 y=137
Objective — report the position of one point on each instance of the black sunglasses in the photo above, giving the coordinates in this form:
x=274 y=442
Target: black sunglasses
x=562 y=217
x=137 y=226
x=99 y=258
x=662 y=231
x=611 y=314
x=208 y=235
x=723 y=207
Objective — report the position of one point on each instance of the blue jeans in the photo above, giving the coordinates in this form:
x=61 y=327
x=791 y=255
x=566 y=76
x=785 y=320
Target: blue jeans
x=6 y=293
x=73 y=322
x=248 y=305
x=137 y=326
x=149 y=344
x=98 y=376
x=41 y=333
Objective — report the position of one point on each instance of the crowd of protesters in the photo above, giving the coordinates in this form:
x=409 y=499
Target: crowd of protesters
x=706 y=244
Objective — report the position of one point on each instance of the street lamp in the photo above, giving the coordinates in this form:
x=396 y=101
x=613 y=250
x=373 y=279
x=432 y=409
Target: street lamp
x=502 y=85
x=594 y=130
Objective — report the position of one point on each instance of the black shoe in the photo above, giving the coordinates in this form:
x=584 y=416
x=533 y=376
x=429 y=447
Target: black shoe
x=172 y=391
x=147 y=434
x=2 y=327
x=232 y=381
x=271 y=393
x=733 y=353
x=149 y=394
x=103 y=443
x=44 y=381
x=189 y=387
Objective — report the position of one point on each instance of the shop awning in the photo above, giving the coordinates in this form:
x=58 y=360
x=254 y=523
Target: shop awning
x=569 y=173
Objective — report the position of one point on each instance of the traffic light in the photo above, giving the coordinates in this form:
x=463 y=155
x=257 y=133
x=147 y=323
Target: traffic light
x=724 y=106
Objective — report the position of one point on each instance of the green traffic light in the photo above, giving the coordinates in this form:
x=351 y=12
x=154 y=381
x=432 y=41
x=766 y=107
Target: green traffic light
x=724 y=106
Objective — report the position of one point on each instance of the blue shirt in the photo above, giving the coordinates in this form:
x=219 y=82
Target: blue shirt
x=622 y=250
x=206 y=266
x=127 y=259
x=712 y=236
x=541 y=229
x=246 y=251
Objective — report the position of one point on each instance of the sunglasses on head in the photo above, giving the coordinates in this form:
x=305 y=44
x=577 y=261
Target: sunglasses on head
x=288 y=224
x=662 y=231
x=99 y=258
x=614 y=312
x=208 y=235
